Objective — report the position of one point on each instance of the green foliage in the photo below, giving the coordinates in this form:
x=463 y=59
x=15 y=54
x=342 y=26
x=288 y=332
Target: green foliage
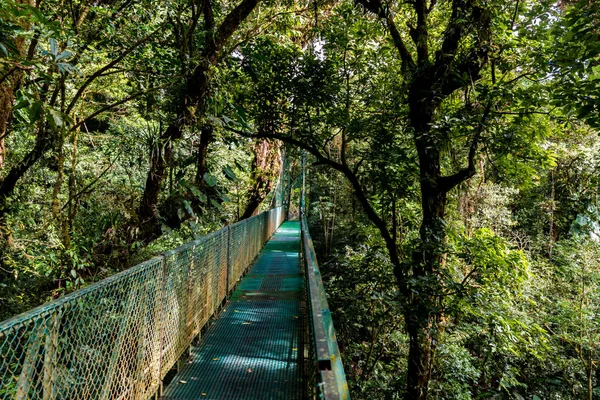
x=514 y=298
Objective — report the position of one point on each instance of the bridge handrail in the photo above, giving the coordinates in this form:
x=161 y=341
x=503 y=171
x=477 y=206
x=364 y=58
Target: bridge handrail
x=118 y=338
x=329 y=370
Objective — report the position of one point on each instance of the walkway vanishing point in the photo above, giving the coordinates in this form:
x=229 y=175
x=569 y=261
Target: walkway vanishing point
x=165 y=329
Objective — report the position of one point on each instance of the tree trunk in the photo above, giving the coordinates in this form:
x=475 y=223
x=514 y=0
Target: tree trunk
x=422 y=312
x=73 y=203
x=159 y=156
x=6 y=100
x=551 y=222
x=206 y=138
x=590 y=380
x=12 y=80
x=59 y=177
x=265 y=168
x=44 y=141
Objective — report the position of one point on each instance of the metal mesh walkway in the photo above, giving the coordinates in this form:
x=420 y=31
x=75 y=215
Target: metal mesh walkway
x=251 y=350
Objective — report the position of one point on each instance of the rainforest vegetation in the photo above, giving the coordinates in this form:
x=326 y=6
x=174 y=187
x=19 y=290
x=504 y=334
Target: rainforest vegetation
x=453 y=168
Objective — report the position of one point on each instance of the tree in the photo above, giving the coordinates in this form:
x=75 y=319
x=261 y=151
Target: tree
x=431 y=72
x=265 y=168
x=190 y=104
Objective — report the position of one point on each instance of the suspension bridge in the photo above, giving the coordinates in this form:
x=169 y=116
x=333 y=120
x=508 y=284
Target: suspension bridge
x=238 y=314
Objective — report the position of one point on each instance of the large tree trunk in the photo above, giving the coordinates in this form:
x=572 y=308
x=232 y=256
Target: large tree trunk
x=265 y=168
x=422 y=312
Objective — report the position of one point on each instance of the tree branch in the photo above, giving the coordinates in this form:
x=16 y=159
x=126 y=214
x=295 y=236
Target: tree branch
x=92 y=183
x=209 y=22
x=228 y=27
x=115 y=104
x=449 y=68
x=446 y=183
x=399 y=272
x=377 y=8
x=452 y=36
x=108 y=66
x=420 y=35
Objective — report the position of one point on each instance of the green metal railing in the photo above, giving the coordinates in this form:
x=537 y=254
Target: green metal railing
x=118 y=338
x=328 y=370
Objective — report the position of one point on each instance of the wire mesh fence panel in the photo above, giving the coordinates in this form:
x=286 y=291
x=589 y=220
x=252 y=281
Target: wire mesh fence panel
x=211 y=256
x=116 y=339
x=236 y=251
x=177 y=305
x=254 y=237
x=250 y=246
x=97 y=343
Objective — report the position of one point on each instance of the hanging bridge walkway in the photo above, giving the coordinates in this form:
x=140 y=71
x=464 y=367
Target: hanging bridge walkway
x=224 y=317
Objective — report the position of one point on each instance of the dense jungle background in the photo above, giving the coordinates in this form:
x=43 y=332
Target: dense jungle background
x=453 y=168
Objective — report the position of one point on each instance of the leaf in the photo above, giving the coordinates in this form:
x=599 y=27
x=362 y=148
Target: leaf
x=56 y=117
x=215 y=204
x=22 y=104
x=74 y=273
x=35 y=111
x=64 y=54
x=198 y=194
x=65 y=67
x=4 y=49
x=188 y=207
x=53 y=47
x=215 y=120
x=210 y=180
x=229 y=173
x=239 y=166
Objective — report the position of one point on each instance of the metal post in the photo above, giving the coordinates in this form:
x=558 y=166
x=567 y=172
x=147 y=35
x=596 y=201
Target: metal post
x=229 y=263
x=303 y=192
x=50 y=356
x=161 y=316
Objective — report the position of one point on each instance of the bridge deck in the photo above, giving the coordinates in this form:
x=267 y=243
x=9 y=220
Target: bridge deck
x=251 y=350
